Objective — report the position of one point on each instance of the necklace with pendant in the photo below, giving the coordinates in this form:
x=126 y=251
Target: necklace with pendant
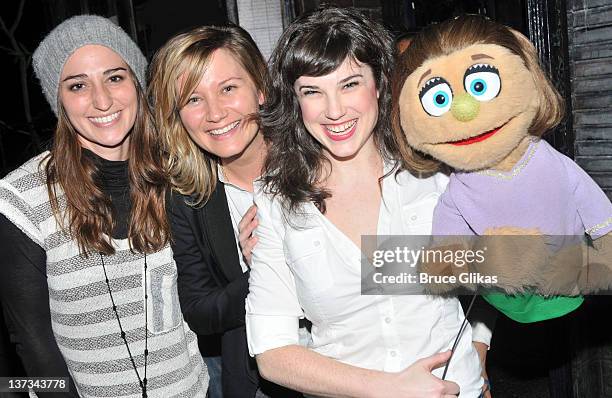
x=141 y=381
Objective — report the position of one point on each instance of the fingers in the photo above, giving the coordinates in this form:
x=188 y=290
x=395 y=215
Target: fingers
x=435 y=361
x=247 y=248
x=247 y=231
x=246 y=227
x=248 y=217
x=451 y=389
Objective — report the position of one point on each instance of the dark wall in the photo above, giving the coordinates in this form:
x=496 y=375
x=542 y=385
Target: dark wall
x=159 y=20
x=372 y=8
x=590 y=50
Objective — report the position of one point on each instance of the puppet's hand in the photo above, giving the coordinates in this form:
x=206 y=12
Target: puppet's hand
x=579 y=268
x=562 y=275
x=596 y=275
x=442 y=271
x=514 y=256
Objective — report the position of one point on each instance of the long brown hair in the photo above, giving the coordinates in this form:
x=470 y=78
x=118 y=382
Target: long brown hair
x=453 y=35
x=84 y=211
x=314 y=45
x=192 y=172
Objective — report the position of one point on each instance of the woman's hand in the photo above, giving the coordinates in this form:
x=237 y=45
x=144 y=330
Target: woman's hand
x=417 y=381
x=304 y=370
x=482 y=349
x=246 y=226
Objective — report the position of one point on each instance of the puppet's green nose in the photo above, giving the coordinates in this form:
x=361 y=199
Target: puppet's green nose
x=465 y=107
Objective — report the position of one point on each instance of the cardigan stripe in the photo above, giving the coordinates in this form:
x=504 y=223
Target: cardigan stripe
x=82 y=318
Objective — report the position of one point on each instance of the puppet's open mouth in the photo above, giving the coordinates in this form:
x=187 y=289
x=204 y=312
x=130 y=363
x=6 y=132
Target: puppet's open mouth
x=478 y=138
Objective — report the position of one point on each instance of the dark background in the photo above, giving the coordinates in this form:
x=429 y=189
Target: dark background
x=574 y=40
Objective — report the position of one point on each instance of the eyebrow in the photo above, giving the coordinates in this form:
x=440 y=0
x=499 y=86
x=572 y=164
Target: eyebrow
x=427 y=72
x=228 y=79
x=340 y=82
x=113 y=70
x=346 y=79
x=306 y=86
x=480 y=56
x=84 y=75
x=81 y=76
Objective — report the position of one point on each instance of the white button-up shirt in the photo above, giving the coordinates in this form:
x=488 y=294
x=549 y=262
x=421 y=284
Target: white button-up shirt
x=306 y=267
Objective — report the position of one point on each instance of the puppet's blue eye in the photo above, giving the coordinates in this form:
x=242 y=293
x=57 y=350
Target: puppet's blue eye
x=436 y=96
x=482 y=82
x=478 y=87
x=441 y=99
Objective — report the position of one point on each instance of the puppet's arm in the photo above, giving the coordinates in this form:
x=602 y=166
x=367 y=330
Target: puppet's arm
x=513 y=262
x=595 y=211
x=450 y=233
x=579 y=268
x=597 y=275
x=514 y=256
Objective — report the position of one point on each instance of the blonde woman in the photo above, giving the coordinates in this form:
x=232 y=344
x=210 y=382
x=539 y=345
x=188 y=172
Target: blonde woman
x=207 y=86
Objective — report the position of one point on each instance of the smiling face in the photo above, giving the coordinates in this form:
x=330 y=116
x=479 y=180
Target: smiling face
x=471 y=108
x=216 y=115
x=340 y=109
x=98 y=95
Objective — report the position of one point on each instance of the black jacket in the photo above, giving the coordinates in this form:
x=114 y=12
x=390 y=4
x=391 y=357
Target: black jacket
x=211 y=285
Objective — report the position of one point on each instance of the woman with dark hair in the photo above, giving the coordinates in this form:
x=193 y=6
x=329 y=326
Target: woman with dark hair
x=90 y=216
x=332 y=175
x=207 y=86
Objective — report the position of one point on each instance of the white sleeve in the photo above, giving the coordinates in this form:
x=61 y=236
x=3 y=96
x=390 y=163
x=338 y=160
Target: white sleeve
x=483 y=318
x=481 y=332
x=272 y=307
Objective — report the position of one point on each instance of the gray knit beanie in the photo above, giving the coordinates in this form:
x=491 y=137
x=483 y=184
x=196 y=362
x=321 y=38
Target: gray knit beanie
x=74 y=33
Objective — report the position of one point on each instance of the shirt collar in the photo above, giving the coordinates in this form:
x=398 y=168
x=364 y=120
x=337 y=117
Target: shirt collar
x=225 y=181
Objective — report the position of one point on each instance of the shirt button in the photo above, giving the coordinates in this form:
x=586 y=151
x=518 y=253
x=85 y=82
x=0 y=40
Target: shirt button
x=413 y=218
x=393 y=353
x=317 y=243
x=388 y=320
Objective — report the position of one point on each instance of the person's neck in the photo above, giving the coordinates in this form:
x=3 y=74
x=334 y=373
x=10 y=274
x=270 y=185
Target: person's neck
x=118 y=153
x=244 y=168
x=367 y=162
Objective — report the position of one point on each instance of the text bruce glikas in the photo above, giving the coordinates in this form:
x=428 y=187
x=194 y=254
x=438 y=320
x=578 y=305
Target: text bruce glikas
x=404 y=255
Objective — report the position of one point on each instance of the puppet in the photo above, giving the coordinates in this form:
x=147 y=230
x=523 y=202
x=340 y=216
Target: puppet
x=470 y=93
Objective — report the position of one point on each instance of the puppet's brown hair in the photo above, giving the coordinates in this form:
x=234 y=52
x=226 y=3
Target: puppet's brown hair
x=453 y=35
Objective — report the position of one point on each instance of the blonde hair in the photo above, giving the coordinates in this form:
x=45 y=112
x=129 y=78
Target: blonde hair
x=192 y=171
x=453 y=35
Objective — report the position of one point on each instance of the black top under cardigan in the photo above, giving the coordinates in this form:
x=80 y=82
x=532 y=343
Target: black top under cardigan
x=24 y=294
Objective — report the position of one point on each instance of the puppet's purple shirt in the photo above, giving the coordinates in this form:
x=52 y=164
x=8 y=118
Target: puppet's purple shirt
x=545 y=190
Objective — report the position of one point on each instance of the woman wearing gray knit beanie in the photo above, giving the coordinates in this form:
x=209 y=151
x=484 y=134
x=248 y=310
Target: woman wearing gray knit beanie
x=84 y=238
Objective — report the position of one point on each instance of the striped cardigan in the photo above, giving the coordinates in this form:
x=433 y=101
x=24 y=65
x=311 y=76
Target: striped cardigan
x=82 y=318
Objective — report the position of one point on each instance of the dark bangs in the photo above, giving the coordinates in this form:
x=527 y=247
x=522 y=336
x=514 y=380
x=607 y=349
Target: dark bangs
x=322 y=50
x=316 y=45
x=318 y=54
